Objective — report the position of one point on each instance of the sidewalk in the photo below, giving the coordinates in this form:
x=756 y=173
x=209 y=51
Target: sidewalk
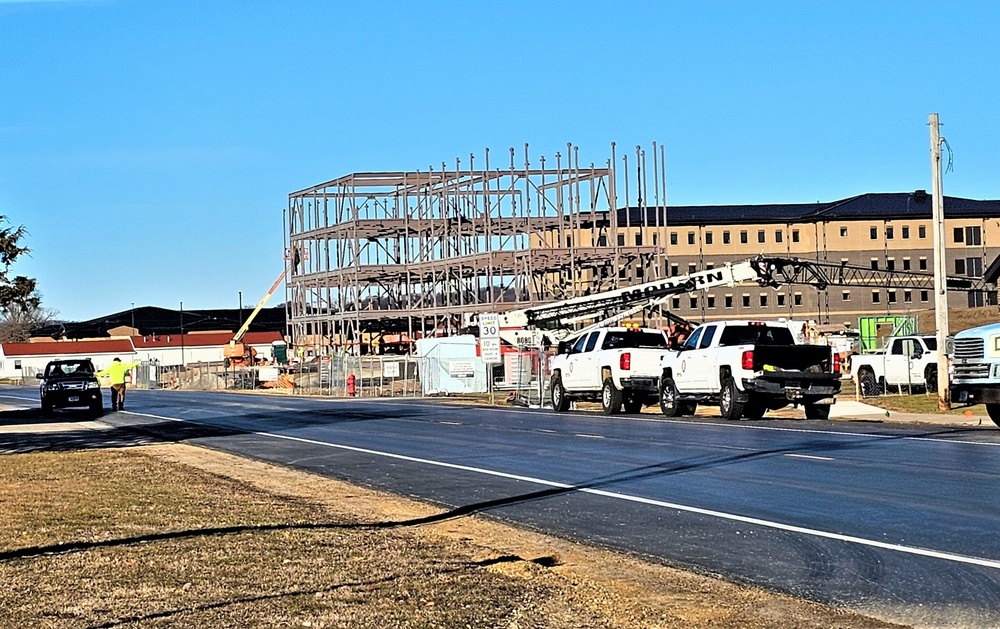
x=850 y=410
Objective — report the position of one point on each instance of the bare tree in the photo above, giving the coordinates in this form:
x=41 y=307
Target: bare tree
x=20 y=301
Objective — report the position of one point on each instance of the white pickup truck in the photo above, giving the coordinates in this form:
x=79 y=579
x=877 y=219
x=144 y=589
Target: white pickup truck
x=747 y=368
x=904 y=361
x=620 y=366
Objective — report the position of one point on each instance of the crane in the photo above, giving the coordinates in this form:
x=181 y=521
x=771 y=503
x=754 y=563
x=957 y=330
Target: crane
x=556 y=319
x=236 y=352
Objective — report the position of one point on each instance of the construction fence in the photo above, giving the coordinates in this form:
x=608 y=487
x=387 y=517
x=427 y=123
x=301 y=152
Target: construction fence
x=521 y=377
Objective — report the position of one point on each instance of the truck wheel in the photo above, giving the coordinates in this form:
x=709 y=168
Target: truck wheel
x=993 y=410
x=669 y=405
x=869 y=384
x=611 y=398
x=817 y=411
x=560 y=403
x=930 y=378
x=754 y=410
x=46 y=406
x=633 y=405
x=729 y=405
x=97 y=407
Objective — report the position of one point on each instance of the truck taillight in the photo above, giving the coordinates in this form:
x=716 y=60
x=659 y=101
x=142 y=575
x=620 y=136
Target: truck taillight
x=747 y=362
x=625 y=361
x=836 y=363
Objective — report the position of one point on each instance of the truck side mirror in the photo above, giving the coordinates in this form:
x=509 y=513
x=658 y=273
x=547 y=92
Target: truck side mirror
x=39 y=376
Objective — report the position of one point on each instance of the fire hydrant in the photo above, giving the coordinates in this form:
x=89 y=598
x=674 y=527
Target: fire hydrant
x=351 y=389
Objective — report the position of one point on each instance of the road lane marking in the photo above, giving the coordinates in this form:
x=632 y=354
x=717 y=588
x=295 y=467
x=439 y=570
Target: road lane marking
x=912 y=550
x=810 y=456
x=580 y=434
x=450 y=423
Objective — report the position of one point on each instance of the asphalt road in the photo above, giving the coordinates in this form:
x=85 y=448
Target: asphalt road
x=899 y=522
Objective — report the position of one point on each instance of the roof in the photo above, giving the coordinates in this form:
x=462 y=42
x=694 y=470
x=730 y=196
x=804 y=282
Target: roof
x=151 y=320
x=876 y=205
x=207 y=339
x=68 y=348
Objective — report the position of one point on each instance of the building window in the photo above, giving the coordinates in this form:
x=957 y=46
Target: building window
x=845 y=296
x=974 y=267
x=906 y=232
x=17 y=364
x=875 y=297
x=622 y=273
x=569 y=241
x=692 y=267
x=694 y=302
x=709 y=266
x=797 y=299
x=778 y=235
x=921 y=231
x=729 y=302
x=874 y=263
x=973 y=236
x=923 y=264
x=890 y=264
x=760 y=236
x=843 y=232
x=960 y=266
x=746 y=300
x=891 y=296
x=923 y=295
x=781 y=299
x=621 y=240
x=638 y=239
x=708 y=238
x=908 y=296
x=674 y=270
x=874 y=233
x=673 y=238
x=888 y=232
x=725 y=237
x=711 y=301
x=656 y=239
x=906 y=264
x=763 y=300
x=690 y=238
x=639 y=271
x=675 y=303
x=602 y=241
x=744 y=239
x=959 y=234
x=795 y=235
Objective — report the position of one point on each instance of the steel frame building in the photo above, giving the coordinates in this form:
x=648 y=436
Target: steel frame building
x=394 y=253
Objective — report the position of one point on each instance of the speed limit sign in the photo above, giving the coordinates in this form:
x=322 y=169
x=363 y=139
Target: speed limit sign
x=489 y=337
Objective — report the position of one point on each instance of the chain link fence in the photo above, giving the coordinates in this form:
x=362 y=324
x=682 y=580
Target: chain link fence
x=522 y=377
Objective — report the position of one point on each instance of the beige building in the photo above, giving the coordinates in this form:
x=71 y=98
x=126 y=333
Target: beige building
x=881 y=232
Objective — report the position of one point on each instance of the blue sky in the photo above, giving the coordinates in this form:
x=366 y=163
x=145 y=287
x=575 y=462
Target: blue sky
x=149 y=146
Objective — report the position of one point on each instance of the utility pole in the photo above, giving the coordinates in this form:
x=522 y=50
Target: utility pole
x=182 y=334
x=940 y=268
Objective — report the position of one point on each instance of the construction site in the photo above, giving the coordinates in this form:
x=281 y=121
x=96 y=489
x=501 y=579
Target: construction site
x=387 y=258
x=391 y=257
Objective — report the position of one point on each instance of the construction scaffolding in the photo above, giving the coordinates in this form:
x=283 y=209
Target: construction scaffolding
x=390 y=257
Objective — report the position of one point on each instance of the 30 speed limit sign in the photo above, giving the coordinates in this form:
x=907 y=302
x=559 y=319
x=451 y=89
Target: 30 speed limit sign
x=489 y=337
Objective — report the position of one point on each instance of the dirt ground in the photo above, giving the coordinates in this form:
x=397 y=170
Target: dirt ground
x=174 y=535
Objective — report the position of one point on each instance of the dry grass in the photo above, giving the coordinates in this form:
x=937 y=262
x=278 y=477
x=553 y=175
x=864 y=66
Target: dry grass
x=182 y=537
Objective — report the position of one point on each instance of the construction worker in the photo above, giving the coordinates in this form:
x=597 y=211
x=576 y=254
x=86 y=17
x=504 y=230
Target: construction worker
x=117 y=372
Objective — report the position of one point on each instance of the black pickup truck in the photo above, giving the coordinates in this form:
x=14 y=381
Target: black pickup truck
x=66 y=383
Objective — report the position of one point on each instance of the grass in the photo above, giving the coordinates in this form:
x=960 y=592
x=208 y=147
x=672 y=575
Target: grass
x=186 y=537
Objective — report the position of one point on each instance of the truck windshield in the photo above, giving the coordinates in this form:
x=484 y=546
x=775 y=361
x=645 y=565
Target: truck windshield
x=634 y=339
x=756 y=335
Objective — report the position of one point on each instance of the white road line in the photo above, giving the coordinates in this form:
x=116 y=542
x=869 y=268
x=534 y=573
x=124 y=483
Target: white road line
x=450 y=423
x=809 y=456
x=912 y=550
x=580 y=434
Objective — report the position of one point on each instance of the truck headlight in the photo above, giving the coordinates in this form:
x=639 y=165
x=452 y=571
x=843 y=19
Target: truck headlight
x=93 y=385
